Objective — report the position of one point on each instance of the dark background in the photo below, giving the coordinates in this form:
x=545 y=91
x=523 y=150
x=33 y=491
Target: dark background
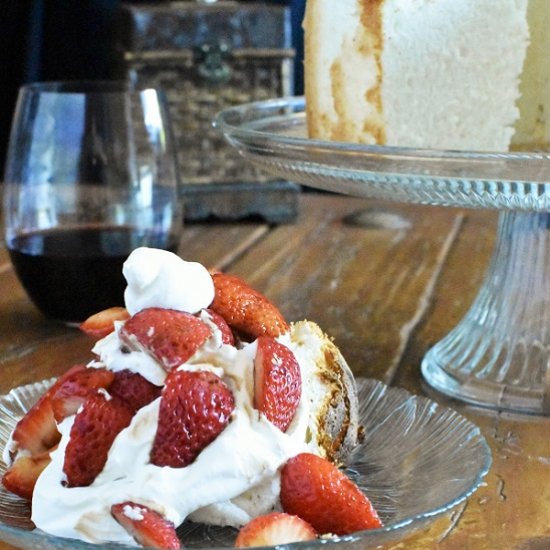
x=43 y=40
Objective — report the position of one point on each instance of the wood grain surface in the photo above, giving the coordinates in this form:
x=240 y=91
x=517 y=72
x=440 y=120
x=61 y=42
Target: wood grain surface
x=387 y=282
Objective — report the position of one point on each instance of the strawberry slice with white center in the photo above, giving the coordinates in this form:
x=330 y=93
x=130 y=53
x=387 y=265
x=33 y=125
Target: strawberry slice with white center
x=273 y=529
x=75 y=388
x=37 y=431
x=195 y=408
x=277 y=382
x=171 y=336
x=146 y=526
x=20 y=478
x=102 y=323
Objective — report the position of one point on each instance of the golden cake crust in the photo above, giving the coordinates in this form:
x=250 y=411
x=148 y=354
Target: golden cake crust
x=334 y=414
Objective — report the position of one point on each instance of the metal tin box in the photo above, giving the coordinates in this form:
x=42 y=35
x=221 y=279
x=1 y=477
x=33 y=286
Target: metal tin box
x=206 y=57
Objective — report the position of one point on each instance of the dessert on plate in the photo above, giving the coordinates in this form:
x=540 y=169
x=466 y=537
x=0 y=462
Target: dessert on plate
x=443 y=74
x=201 y=403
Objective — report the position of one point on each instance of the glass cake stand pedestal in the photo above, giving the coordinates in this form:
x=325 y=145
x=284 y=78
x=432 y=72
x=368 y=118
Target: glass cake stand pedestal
x=498 y=356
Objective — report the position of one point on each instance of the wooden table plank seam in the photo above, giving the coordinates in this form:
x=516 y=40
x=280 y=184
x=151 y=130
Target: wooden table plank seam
x=424 y=301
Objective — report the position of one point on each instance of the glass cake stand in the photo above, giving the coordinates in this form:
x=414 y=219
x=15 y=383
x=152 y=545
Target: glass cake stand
x=498 y=356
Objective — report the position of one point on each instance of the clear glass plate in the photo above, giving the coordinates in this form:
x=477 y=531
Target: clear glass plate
x=419 y=459
x=273 y=135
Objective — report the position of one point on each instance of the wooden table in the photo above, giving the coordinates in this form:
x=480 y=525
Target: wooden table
x=387 y=282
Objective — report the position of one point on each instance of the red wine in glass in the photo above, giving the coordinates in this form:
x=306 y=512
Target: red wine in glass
x=71 y=273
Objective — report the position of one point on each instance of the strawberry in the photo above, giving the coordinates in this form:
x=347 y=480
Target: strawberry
x=74 y=389
x=195 y=407
x=101 y=324
x=317 y=491
x=37 y=432
x=273 y=529
x=20 y=478
x=94 y=429
x=277 y=382
x=147 y=527
x=133 y=389
x=171 y=336
x=225 y=329
x=247 y=311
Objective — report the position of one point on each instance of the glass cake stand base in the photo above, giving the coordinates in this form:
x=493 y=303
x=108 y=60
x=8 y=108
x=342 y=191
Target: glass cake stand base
x=499 y=354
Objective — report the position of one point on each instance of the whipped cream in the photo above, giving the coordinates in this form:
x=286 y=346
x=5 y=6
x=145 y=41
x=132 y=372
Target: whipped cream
x=158 y=278
x=115 y=357
x=235 y=478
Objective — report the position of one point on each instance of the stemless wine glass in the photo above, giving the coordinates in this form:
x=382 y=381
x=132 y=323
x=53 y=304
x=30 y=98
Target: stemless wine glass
x=90 y=175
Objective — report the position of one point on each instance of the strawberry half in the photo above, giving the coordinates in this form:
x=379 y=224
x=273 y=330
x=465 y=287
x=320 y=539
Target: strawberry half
x=76 y=387
x=171 y=336
x=247 y=311
x=277 y=382
x=94 y=429
x=273 y=529
x=37 y=431
x=133 y=389
x=225 y=329
x=195 y=408
x=317 y=491
x=102 y=323
x=20 y=478
x=146 y=526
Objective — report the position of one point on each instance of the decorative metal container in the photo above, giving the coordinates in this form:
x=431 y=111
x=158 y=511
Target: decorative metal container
x=207 y=56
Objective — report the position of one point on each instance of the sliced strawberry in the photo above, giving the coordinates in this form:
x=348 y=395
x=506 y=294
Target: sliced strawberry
x=133 y=389
x=171 y=336
x=277 y=382
x=101 y=324
x=195 y=408
x=94 y=429
x=317 y=491
x=76 y=387
x=225 y=329
x=147 y=527
x=20 y=478
x=37 y=431
x=273 y=529
x=247 y=311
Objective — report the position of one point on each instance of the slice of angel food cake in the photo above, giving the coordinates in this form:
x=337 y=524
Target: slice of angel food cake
x=201 y=403
x=441 y=74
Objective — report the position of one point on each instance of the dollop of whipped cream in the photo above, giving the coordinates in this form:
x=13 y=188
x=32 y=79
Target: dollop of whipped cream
x=235 y=478
x=159 y=278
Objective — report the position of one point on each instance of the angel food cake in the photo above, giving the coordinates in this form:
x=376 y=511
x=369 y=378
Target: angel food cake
x=444 y=74
x=201 y=403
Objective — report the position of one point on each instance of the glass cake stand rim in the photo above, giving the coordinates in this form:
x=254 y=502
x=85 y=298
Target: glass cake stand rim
x=513 y=183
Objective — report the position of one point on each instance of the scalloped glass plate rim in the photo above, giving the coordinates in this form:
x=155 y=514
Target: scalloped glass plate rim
x=16 y=535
